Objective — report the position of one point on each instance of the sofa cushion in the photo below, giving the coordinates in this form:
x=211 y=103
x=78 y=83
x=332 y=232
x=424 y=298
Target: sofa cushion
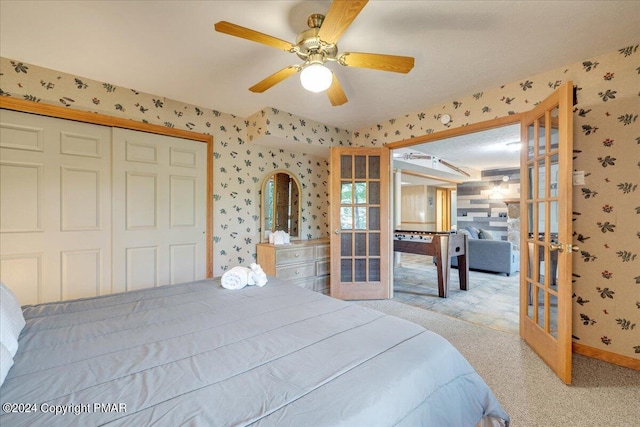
x=484 y=234
x=466 y=233
x=473 y=231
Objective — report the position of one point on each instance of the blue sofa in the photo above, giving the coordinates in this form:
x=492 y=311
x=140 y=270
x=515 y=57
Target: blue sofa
x=496 y=256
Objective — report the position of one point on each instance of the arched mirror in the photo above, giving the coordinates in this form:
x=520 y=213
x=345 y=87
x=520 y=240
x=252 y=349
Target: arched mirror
x=280 y=208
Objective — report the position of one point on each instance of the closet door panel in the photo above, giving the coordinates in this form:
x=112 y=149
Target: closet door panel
x=159 y=210
x=55 y=196
x=21 y=203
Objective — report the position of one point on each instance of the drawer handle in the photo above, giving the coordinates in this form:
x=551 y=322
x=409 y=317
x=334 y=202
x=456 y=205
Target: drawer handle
x=297 y=255
x=297 y=272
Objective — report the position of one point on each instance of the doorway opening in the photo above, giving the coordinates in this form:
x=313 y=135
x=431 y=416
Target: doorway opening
x=465 y=182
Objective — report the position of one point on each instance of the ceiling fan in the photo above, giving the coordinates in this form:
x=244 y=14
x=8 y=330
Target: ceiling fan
x=435 y=160
x=318 y=45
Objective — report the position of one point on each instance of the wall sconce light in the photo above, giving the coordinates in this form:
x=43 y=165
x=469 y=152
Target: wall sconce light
x=315 y=77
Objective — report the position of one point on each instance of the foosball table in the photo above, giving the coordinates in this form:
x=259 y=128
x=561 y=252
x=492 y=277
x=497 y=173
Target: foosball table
x=440 y=245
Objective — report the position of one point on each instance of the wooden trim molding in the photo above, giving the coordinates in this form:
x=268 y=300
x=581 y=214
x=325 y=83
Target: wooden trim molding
x=55 y=111
x=97 y=118
x=616 y=359
x=463 y=130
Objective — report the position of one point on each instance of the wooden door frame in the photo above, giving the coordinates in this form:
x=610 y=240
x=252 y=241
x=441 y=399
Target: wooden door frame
x=443 y=205
x=436 y=136
x=67 y=113
x=463 y=130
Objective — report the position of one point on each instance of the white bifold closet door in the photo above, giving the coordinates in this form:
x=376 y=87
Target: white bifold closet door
x=55 y=207
x=159 y=210
x=88 y=210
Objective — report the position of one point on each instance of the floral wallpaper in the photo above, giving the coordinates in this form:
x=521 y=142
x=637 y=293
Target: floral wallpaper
x=239 y=166
x=606 y=210
x=295 y=130
x=606 y=141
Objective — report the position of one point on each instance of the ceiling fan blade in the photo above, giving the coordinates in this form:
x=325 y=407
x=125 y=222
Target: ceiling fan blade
x=455 y=168
x=341 y=14
x=335 y=92
x=274 y=79
x=246 y=33
x=376 y=61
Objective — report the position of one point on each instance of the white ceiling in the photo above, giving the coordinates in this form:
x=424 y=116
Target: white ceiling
x=170 y=48
x=474 y=152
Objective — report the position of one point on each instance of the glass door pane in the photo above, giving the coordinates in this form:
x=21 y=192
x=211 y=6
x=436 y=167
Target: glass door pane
x=542 y=217
x=360 y=213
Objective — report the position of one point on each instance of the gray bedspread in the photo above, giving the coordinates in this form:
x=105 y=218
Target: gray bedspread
x=200 y=355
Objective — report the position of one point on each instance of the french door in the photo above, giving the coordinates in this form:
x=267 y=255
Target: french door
x=546 y=230
x=359 y=223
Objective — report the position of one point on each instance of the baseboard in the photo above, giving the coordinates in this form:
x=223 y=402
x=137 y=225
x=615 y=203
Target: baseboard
x=616 y=359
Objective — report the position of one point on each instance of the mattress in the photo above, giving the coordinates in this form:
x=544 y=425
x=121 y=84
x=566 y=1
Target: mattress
x=200 y=355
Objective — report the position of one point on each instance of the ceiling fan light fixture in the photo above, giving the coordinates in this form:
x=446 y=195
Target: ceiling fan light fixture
x=316 y=77
x=317 y=45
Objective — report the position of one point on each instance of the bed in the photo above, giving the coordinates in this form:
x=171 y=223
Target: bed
x=200 y=355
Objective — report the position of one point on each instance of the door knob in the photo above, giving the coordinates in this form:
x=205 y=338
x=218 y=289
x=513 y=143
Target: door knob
x=337 y=231
x=573 y=248
x=555 y=247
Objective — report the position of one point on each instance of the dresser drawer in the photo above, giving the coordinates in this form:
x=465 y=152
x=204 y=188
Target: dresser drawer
x=291 y=255
x=304 y=263
x=323 y=267
x=317 y=284
x=321 y=284
x=296 y=271
x=322 y=251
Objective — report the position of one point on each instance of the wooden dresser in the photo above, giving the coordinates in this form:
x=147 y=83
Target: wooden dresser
x=303 y=262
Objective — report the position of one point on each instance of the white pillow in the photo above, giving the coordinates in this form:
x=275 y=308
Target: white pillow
x=6 y=362
x=8 y=336
x=11 y=319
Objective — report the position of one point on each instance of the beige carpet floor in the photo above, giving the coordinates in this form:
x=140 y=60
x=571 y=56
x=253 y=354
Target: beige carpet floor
x=601 y=394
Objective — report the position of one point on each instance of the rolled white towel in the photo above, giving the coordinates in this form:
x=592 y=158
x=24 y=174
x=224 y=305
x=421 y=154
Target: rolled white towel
x=259 y=276
x=236 y=278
